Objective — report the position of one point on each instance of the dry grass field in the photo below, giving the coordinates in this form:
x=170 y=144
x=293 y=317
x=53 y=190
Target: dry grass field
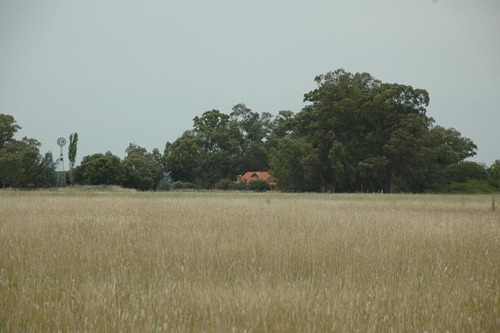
x=220 y=262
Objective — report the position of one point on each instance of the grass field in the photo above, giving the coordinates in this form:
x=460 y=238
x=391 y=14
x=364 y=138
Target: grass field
x=217 y=262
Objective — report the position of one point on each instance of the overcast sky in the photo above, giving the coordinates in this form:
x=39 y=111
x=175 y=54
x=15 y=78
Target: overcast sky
x=121 y=71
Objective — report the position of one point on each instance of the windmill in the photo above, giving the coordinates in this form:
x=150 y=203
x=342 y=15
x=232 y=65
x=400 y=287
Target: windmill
x=61 y=174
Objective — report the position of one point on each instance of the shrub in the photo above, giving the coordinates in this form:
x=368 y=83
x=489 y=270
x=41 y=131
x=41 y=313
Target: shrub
x=224 y=184
x=259 y=186
x=463 y=171
x=240 y=186
x=183 y=186
x=471 y=186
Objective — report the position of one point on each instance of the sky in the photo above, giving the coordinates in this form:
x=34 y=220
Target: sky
x=123 y=71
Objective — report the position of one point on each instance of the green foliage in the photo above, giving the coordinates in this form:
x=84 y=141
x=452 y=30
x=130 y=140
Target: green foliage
x=252 y=130
x=99 y=169
x=135 y=173
x=240 y=186
x=494 y=175
x=463 y=171
x=281 y=127
x=468 y=177
x=221 y=146
x=360 y=134
x=449 y=146
x=140 y=169
x=357 y=134
x=471 y=186
x=361 y=128
x=21 y=164
x=224 y=184
x=26 y=166
x=178 y=185
x=72 y=149
x=182 y=157
x=296 y=165
x=258 y=186
x=8 y=127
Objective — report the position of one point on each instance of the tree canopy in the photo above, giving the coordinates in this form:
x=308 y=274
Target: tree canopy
x=21 y=164
x=355 y=134
x=360 y=134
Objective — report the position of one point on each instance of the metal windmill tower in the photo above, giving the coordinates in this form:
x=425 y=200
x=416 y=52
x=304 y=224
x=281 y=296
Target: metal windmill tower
x=61 y=174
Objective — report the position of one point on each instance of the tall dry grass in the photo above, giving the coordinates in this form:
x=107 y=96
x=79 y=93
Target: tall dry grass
x=215 y=262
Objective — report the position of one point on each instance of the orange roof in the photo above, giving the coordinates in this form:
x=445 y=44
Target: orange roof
x=257 y=175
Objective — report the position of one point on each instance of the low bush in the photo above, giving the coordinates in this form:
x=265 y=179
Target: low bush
x=240 y=186
x=224 y=184
x=183 y=186
x=471 y=186
x=259 y=186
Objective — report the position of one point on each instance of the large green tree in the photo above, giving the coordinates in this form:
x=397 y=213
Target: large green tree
x=442 y=147
x=21 y=164
x=221 y=146
x=355 y=134
x=295 y=163
x=448 y=145
x=8 y=127
x=219 y=149
x=281 y=126
x=99 y=169
x=182 y=157
x=251 y=130
x=366 y=135
x=141 y=169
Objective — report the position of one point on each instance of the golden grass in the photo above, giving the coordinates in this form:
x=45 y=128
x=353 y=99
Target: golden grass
x=217 y=262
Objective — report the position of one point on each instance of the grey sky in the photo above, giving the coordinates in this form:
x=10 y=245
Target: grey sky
x=140 y=70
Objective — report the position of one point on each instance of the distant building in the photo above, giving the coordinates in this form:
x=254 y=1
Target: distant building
x=250 y=176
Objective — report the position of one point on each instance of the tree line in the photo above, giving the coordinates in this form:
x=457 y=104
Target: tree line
x=356 y=134
x=21 y=164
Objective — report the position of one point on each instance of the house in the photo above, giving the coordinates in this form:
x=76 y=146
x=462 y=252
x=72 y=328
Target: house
x=250 y=176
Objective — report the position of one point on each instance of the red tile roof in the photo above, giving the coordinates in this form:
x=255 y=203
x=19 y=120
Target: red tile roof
x=258 y=175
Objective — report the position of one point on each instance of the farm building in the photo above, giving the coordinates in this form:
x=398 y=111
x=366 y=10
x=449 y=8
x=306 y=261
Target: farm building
x=250 y=176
